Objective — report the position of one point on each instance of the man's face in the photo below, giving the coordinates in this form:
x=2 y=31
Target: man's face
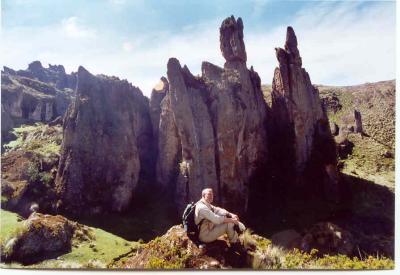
x=209 y=196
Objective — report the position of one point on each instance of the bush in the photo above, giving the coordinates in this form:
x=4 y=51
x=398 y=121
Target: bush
x=33 y=172
x=46 y=178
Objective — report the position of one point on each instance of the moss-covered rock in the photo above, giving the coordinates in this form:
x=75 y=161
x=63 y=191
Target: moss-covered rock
x=40 y=237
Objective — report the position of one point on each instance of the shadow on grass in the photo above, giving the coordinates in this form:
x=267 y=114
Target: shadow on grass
x=144 y=220
x=365 y=209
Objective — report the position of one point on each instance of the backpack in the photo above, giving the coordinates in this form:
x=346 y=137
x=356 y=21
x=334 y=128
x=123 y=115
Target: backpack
x=191 y=229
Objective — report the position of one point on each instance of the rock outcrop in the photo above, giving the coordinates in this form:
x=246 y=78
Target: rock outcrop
x=358 y=122
x=54 y=75
x=33 y=95
x=301 y=127
x=105 y=147
x=174 y=250
x=212 y=128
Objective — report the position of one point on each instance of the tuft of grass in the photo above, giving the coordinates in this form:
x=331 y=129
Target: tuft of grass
x=10 y=225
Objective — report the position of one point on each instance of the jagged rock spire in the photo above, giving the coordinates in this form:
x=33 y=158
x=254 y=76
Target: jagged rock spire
x=231 y=40
x=291 y=47
x=298 y=114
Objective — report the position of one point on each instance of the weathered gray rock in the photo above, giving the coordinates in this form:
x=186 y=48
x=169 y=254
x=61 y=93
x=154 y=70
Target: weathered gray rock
x=157 y=95
x=212 y=128
x=105 y=145
x=231 y=40
x=54 y=75
x=299 y=99
x=301 y=124
x=25 y=98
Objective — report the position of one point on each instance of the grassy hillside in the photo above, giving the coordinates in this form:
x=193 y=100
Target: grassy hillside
x=373 y=154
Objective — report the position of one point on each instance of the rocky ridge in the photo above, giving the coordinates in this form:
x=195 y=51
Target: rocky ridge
x=34 y=95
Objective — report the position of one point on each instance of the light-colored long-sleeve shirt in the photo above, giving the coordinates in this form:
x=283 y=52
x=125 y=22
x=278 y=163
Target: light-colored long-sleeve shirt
x=211 y=215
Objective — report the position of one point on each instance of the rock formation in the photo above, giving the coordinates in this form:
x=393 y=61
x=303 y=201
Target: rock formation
x=105 y=145
x=301 y=126
x=54 y=75
x=212 y=128
x=34 y=95
x=358 y=122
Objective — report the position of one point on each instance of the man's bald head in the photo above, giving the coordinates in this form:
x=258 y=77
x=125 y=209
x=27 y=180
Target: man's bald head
x=208 y=195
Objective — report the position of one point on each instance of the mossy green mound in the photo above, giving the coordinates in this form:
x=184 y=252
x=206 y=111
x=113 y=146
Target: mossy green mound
x=94 y=252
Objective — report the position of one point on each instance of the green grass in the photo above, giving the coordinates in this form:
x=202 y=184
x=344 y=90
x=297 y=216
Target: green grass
x=9 y=224
x=96 y=253
x=367 y=162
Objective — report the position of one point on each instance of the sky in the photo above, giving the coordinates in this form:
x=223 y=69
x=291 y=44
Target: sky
x=341 y=42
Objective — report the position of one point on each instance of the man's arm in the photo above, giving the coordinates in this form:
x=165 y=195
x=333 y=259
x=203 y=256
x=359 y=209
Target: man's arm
x=224 y=212
x=206 y=213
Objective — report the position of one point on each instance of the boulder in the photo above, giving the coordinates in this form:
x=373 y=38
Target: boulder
x=105 y=147
x=328 y=238
x=41 y=237
x=212 y=129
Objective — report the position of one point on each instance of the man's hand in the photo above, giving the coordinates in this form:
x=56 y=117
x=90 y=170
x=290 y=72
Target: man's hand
x=231 y=220
x=234 y=216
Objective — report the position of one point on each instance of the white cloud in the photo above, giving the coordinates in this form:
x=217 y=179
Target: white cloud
x=344 y=46
x=347 y=45
x=127 y=46
x=73 y=28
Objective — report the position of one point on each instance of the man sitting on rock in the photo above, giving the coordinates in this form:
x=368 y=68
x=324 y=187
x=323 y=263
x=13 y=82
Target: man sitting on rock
x=215 y=221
